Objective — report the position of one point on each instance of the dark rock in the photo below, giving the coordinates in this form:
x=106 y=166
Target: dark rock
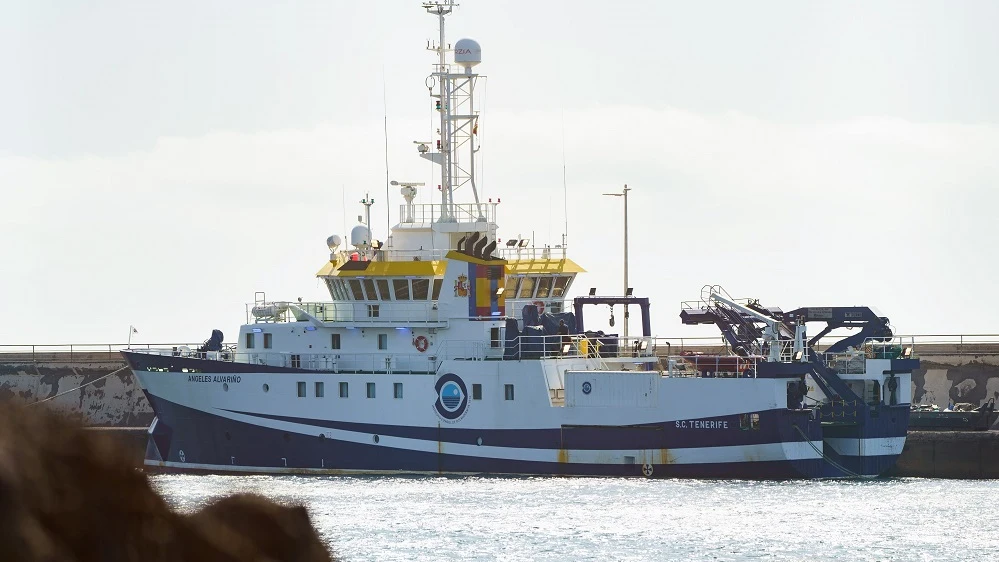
x=70 y=495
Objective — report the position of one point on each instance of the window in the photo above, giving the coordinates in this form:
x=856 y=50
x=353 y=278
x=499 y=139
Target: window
x=355 y=289
x=508 y=391
x=343 y=390
x=397 y=390
x=249 y=340
x=371 y=390
x=383 y=290
x=301 y=389
x=401 y=287
x=526 y=288
x=335 y=341
x=421 y=289
x=544 y=287
x=437 y=289
x=382 y=341
x=512 y=284
x=373 y=310
x=494 y=337
x=296 y=361
x=755 y=420
x=268 y=340
x=560 y=285
x=369 y=288
x=320 y=391
x=476 y=392
x=341 y=289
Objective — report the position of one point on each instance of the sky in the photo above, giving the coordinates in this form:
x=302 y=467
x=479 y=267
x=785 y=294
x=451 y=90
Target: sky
x=162 y=162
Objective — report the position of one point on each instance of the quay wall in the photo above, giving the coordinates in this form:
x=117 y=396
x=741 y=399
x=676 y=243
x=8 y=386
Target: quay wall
x=67 y=385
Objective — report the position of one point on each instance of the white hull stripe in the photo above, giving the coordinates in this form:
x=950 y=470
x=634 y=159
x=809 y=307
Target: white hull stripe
x=852 y=447
x=798 y=450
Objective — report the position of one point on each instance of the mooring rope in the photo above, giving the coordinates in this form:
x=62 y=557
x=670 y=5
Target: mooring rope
x=115 y=372
x=823 y=455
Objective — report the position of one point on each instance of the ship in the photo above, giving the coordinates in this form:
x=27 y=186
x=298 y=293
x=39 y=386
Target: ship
x=445 y=349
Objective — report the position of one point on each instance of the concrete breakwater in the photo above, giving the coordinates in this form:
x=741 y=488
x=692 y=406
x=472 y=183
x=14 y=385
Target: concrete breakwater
x=76 y=384
x=950 y=454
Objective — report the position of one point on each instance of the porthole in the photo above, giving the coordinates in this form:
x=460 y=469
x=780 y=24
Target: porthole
x=267 y=387
x=375 y=438
x=225 y=387
x=478 y=441
x=322 y=436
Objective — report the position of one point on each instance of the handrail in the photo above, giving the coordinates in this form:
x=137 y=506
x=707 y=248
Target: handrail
x=32 y=352
x=78 y=352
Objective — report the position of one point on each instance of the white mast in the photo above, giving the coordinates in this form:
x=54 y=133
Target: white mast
x=458 y=120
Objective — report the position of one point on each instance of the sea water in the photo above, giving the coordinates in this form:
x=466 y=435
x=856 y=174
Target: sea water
x=441 y=518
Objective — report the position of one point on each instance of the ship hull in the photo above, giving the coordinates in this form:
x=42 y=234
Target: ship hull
x=695 y=429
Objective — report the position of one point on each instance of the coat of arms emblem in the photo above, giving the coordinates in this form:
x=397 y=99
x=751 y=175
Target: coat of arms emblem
x=461 y=286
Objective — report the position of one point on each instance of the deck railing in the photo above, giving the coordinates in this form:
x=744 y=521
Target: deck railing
x=924 y=344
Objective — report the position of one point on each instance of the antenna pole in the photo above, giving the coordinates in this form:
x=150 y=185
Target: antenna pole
x=388 y=209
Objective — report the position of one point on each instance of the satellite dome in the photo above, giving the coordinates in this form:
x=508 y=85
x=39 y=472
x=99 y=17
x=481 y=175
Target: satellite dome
x=360 y=236
x=333 y=242
x=467 y=53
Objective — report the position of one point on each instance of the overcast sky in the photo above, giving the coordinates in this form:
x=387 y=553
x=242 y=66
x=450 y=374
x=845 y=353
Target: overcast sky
x=161 y=162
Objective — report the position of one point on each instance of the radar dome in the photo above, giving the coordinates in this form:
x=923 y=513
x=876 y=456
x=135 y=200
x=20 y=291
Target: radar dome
x=333 y=242
x=467 y=53
x=360 y=236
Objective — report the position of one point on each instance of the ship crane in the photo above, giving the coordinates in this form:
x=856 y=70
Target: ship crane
x=772 y=332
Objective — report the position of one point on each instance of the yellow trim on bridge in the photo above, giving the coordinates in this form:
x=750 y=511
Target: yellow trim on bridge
x=437 y=268
x=527 y=267
x=387 y=269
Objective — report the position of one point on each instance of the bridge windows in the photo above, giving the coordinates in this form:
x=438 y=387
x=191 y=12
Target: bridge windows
x=526 y=288
x=369 y=289
x=355 y=289
x=421 y=289
x=401 y=287
x=374 y=310
x=438 y=283
x=561 y=282
x=537 y=286
x=249 y=340
x=268 y=340
x=544 y=287
x=383 y=289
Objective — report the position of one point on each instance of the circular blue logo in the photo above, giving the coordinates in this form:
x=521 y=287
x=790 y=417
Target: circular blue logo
x=587 y=387
x=452 y=397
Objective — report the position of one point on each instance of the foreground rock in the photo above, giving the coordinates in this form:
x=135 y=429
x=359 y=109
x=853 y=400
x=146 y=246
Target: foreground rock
x=72 y=495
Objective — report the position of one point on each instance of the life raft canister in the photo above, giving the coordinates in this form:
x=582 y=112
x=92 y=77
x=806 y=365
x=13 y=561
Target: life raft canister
x=421 y=343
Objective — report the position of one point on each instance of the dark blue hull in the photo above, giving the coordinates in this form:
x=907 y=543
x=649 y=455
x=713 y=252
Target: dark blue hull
x=188 y=440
